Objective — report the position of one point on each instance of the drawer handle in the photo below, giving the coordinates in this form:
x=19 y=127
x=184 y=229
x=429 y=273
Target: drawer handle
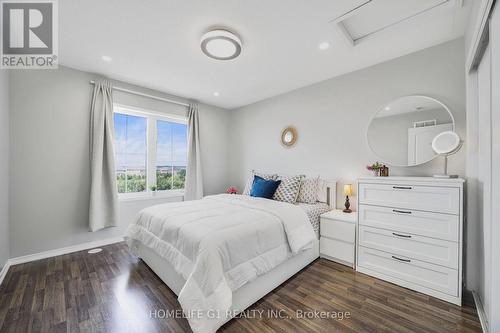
x=399 y=235
x=405 y=260
x=401 y=211
x=402 y=187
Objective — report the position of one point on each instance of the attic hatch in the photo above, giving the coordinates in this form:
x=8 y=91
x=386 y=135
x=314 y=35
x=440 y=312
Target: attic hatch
x=371 y=17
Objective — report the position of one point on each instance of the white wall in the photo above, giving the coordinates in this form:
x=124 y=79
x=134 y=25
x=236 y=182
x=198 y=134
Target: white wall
x=4 y=166
x=471 y=26
x=481 y=237
x=332 y=118
x=50 y=174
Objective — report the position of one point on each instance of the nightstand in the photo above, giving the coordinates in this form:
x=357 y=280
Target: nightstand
x=338 y=234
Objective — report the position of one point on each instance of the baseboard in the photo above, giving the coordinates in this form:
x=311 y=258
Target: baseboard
x=4 y=270
x=55 y=253
x=340 y=261
x=480 y=312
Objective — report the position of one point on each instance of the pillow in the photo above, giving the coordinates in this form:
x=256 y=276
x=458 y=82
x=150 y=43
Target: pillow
x=248 y=185
x=309 y=189
x=263 y=188
x=288 y=191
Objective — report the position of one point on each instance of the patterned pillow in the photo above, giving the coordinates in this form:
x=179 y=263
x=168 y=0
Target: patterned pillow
x=309 y=191
x=288 y=191
x=248 y=185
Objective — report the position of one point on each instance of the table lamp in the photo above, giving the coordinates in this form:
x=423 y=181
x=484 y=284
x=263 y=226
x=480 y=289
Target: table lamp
x=347 y=193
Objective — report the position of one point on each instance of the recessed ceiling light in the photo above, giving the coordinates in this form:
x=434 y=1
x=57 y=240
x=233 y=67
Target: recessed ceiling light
x=221 y=45
x=106 y=58
x=324 y=45
x=216 y=93
x=387 y=108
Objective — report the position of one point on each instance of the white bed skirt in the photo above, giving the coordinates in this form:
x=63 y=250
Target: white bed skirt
x=244 y=296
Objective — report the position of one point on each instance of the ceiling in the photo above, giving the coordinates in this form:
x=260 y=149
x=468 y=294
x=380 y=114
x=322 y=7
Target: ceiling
x=156 y=43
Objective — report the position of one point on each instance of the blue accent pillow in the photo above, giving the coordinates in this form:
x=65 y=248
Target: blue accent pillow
x=263 y=188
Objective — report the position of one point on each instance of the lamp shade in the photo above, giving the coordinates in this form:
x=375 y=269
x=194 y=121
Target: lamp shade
x=347 y=189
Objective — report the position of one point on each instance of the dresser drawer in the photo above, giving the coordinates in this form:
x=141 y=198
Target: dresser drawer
x=336 y=249
x=426 y=198
x=340 y=230
x=434 y=251
x=420 y=273
x=442 y=226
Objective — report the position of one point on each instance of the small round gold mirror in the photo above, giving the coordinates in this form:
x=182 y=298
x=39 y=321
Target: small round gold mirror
x=289 y=136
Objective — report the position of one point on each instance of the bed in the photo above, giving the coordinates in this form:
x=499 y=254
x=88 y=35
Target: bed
x=223 y=253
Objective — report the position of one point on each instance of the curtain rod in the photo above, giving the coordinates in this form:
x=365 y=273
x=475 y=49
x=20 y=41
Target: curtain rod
x=146 y=95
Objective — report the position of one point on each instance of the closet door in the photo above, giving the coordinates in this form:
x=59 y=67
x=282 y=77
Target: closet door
x=484 y=173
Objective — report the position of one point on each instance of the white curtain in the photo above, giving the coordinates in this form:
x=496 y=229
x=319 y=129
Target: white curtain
x=194 y=178
x=103 y=194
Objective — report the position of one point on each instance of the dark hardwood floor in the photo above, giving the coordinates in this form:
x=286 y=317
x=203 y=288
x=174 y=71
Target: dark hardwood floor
x=115 y=292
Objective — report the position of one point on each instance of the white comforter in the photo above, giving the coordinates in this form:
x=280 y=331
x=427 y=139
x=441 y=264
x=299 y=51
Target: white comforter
x=218 y=244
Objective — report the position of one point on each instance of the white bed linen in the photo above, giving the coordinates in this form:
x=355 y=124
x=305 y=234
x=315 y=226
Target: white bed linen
x=219 y=244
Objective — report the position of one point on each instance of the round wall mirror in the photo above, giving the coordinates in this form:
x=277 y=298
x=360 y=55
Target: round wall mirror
x=289 y=136
x=401 y=133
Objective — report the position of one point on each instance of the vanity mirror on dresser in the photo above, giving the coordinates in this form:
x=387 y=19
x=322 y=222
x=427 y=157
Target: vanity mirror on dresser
x=409 y=232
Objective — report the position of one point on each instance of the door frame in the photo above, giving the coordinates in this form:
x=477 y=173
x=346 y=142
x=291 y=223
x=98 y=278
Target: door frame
x=495 y=164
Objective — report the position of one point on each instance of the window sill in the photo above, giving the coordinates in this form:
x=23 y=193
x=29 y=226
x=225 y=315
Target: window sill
x=150 y=196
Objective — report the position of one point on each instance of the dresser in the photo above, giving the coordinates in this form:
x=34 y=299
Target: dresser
x=338 y=236
x=409 y=232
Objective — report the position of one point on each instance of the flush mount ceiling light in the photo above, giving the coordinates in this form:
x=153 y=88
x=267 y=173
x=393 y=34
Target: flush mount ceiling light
x=221 y=45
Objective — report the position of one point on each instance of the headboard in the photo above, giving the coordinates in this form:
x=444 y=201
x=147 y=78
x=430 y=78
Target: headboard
x=328 y=192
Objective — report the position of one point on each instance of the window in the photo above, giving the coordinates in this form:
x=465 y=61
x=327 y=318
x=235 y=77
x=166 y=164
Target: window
x=171 y=146
x=131 y=152
x=151 y=150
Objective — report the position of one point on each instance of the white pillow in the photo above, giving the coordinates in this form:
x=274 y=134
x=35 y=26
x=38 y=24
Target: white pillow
x=288 y=191
x=248 y=185
x=309 y=190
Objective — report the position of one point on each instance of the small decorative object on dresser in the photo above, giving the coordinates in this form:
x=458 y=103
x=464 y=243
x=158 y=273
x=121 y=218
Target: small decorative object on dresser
x=232 y=190
x=337 y=242
x=410 y=233
x=347 y=193
x=384 y=171
x=375 y=168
